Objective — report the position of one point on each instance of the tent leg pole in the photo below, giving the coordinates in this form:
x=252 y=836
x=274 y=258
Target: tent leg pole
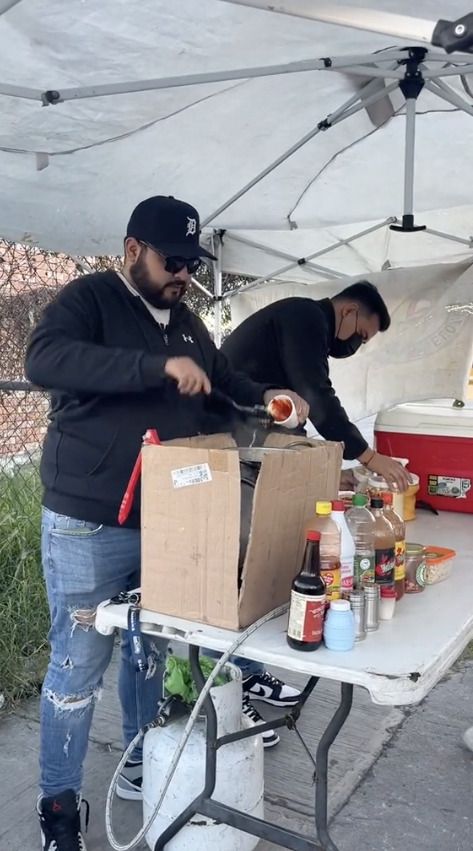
x=218 y=300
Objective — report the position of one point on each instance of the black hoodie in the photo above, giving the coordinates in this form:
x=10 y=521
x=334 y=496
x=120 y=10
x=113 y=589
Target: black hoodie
x=102 y=355
x=287 y=344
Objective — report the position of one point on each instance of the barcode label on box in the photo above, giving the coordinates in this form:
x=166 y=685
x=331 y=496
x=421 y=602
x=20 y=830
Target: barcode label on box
x=186 y=476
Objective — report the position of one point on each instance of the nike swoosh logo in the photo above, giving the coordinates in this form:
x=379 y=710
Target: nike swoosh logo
x=262 y=691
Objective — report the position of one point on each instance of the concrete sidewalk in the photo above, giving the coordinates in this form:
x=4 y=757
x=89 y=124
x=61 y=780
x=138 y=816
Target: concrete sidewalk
x=398 y=779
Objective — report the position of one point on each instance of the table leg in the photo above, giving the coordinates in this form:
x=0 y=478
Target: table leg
x=335 y=725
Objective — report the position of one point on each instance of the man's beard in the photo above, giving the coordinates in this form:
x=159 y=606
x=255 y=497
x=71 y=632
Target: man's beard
x=162 y=299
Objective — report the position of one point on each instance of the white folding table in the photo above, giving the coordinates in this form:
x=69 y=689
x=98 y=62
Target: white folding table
x=399 y=664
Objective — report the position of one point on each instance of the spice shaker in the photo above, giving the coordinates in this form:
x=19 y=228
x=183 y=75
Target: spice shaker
x=371 y=607
x=357 y=603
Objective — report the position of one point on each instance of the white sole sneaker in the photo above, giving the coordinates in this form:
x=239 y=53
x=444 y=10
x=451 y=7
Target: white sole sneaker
x=127 y=790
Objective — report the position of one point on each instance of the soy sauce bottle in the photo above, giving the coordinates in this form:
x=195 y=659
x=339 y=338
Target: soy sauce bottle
x=307 y=608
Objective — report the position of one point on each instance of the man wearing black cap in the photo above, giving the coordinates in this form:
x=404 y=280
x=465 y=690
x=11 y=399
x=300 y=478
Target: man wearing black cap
x=120 y=353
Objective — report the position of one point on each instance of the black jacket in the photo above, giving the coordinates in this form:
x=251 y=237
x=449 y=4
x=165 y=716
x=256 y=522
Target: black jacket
x=287 y=344
x=101 y=353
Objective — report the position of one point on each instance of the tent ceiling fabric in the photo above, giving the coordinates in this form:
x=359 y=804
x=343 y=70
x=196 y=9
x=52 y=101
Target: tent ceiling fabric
x=71 y=173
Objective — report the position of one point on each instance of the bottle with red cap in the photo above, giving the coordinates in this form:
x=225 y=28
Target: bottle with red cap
x=347 y=547
x=307 y=608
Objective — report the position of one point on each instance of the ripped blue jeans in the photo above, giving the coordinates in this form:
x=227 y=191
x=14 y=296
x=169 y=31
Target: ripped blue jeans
x=83 y=564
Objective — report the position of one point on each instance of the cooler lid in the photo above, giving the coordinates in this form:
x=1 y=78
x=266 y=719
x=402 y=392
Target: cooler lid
x=437 y=417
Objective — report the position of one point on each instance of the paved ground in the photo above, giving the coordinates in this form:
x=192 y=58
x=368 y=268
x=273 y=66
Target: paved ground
x=399 y=780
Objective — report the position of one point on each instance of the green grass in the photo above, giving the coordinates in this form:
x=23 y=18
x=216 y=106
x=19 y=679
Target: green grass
x=23 y=608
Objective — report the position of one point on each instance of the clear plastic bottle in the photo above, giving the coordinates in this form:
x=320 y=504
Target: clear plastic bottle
x=347 y=547
x=400 y=544
x=330 y=538
x=384 y=546
x=361 y=523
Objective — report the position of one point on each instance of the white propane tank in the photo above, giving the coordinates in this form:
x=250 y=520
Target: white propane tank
x=240 y=776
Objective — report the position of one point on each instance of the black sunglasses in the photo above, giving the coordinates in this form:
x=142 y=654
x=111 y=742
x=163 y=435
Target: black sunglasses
x=176 y=264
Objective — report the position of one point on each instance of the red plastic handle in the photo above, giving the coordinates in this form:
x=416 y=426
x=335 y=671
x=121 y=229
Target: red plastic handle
x=151 y=437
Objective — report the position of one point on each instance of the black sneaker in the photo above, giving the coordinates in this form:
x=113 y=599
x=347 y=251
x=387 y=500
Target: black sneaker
x=60 y=822
x=271 y=690
x=129 y=782
x=270 y=737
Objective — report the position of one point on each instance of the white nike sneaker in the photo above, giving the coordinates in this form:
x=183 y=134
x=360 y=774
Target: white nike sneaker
x=269 y=689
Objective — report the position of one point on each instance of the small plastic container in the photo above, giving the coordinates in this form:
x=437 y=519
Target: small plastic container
x=339 y=628
x=439 y=563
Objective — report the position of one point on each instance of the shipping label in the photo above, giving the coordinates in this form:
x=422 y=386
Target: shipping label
x=195 y=475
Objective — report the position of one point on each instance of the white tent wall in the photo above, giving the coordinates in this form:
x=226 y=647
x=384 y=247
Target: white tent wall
x=428 y=351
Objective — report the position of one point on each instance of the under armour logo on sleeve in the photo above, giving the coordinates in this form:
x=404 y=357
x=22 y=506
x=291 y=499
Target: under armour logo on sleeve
x=187 y=338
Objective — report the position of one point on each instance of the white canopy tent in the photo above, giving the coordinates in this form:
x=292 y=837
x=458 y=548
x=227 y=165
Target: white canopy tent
x=220 y=97
x=299 y=165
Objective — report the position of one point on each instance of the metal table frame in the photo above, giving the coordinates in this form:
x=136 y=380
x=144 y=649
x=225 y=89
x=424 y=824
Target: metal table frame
x=205 y=805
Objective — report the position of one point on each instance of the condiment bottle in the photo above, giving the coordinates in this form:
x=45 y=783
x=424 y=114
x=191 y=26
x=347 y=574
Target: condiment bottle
x=360 y=522
x=347 y=547
x=384 y=545
x=307 y=608
x=329 y=548
x=400 y=544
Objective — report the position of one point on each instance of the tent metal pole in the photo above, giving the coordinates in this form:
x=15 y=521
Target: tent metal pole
x=350 y=107
x=450 y=236
x=204 y=290
x=411 y=87
x=443 y=91
x=409 y=157
x=284 y=255
x=217 y=243
x=52 y=97
x=450 y=35
x=452 y=71
x=274 y=275
x=20 y=92
x=5 y=5
x=326 y=250
x=386 y=23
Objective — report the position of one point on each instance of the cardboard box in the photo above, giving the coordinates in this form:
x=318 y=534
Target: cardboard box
x=191 y=494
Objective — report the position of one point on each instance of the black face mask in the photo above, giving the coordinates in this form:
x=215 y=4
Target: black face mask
x=345 y=348
x=348 y=347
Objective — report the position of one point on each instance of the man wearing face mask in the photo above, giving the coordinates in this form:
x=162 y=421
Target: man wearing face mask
x=289 y=343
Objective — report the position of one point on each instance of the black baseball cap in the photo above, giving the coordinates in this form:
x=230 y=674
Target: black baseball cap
x=169 y=225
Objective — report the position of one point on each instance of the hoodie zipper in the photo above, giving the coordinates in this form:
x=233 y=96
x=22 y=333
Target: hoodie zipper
x=163 y=330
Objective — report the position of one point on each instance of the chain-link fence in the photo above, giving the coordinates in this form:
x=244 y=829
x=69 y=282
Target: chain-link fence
x=29 y=279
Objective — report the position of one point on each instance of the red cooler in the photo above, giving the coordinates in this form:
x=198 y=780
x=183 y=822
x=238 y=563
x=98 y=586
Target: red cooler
x=438 y=441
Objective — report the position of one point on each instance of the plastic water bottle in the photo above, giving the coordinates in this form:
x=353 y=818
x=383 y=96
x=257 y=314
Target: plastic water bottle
x=339 y=629
x=347 y=547
x=361 y=524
